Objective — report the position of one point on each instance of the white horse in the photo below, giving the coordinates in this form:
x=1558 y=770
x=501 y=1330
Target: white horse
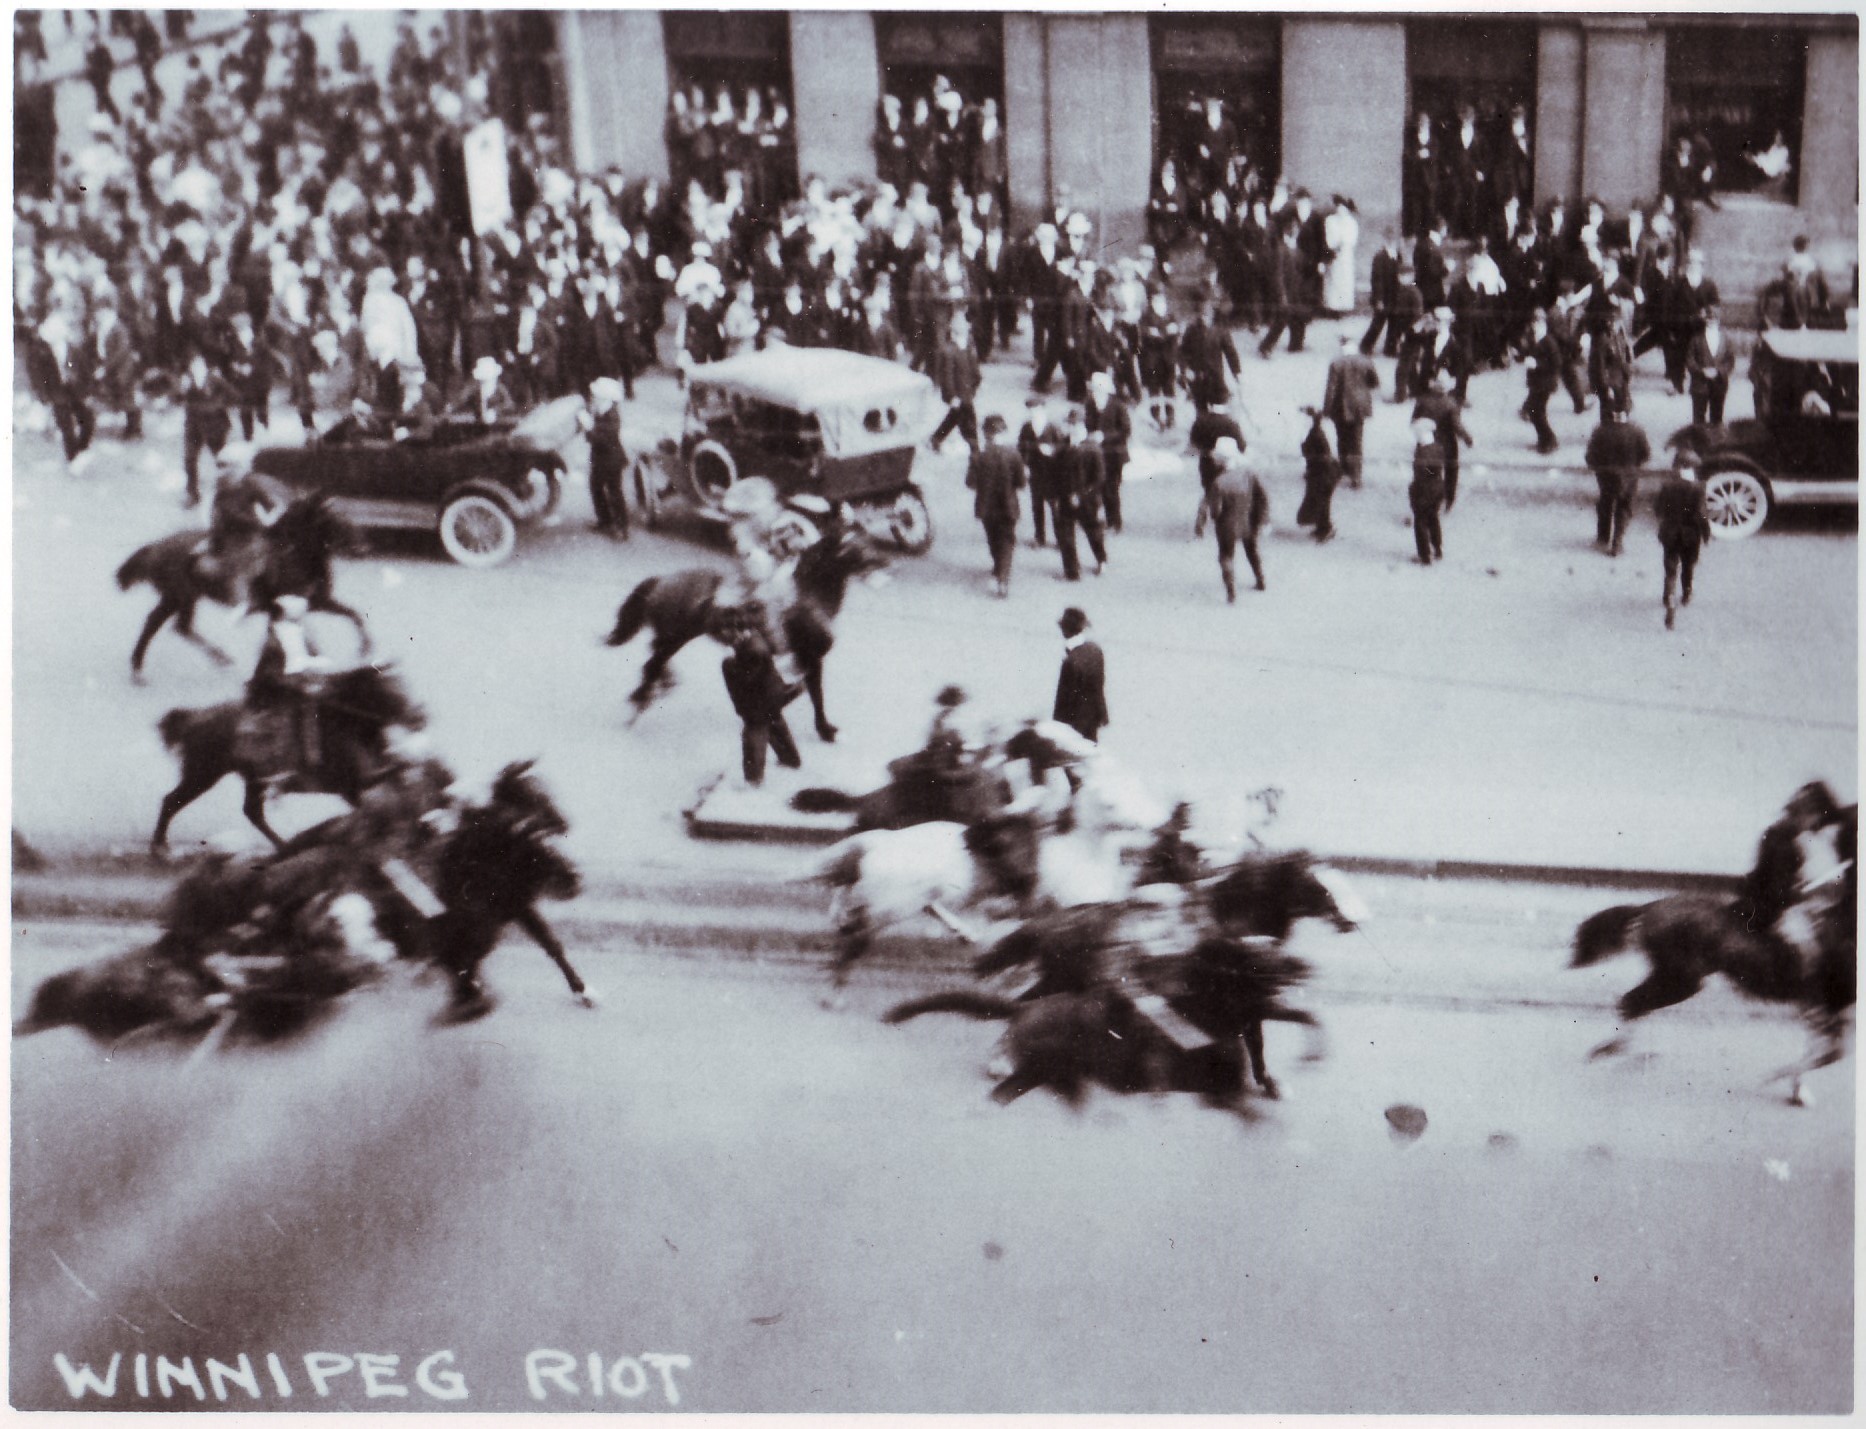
x=888 y=878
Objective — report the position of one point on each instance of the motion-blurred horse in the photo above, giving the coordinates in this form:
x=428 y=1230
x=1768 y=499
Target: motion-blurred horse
x=682 y=607
x=295 y=558
x=1795 y=944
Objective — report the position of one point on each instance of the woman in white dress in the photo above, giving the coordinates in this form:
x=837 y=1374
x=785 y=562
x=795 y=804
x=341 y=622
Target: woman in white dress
x=1342 y=230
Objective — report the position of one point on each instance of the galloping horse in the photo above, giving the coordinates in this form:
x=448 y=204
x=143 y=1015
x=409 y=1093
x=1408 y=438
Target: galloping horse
x=1784 y=939
x=358 y=709
x=681 y=607
x=297 y=553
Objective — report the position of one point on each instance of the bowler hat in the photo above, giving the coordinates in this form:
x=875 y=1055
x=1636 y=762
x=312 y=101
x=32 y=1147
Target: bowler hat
x=994 y=425
x=1073 y=623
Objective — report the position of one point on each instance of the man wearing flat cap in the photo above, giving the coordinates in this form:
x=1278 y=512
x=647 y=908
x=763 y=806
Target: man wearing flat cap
x=1081 y=702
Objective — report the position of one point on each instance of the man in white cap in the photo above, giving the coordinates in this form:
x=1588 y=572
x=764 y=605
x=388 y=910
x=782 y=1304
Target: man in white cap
x=487 y=400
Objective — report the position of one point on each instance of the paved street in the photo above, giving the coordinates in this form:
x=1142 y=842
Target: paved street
x=1520 y=702
x=822 y=1212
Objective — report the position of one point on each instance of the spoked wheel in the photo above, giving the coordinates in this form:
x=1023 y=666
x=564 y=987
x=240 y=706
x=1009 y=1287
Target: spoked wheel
x=1738 y=502
x=477 y=531
x=910 y=523
x=711 y=471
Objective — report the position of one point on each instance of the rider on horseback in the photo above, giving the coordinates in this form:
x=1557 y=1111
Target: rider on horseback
x=288 y=680
x=946 y=780
x=245 y=507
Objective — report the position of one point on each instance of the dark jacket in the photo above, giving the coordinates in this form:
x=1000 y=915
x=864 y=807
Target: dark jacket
x=753 y=684
x=997 y=475
x=1703 y=367
x=1348 y=396
x=1240 y=505
x=1684 y=515
x=1385 y=280
x=1081 y=702
x=1115 y=424
x=1427 y=492
x=1618 y=447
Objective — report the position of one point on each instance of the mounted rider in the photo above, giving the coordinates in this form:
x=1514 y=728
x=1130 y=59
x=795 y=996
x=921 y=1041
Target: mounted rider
x=767 y=546
x=245 y=507
x=288 y=682
x=947 y=780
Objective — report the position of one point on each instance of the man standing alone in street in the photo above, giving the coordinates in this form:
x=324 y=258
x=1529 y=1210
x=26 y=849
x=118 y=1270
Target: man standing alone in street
x=1684 y=527
x=1348 y=401
x=997 y=474
x=1427 y=492
x=1615 y=453
x=1081 y=702
x=1240 y=506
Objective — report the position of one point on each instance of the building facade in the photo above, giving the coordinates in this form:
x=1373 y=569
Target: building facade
x=1090 y=101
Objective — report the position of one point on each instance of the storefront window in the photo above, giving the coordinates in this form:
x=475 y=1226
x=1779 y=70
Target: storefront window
x=1235 y=61
x=1743 y=116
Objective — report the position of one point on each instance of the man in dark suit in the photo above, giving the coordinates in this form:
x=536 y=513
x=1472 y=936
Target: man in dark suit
x=1039 y=446
x=1206 y=355
x=1240 y=506
x=1419 y=176
x=1709 y=360
x=1078 y=497
x=1348 y=401
x=1545 y=367
x=1386 y=287
x=759 y=694
x=997 y=474
x=1429 y=270
x=1684 y=527
x=1427 y=492
x=1437 y=406
x=955 y=370
x=1081 y=701
x=1110 y=419
x=1615 y=454
x=1288 y=288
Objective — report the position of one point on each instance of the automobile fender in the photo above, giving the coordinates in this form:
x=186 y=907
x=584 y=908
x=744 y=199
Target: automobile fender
x=482 y=486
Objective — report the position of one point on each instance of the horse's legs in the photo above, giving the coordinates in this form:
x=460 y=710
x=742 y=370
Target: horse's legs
x=655 y=674
x=1660 y=989
x=532 y=921
x=852 y=939
x=254 y=807
x=1252 y=1037
x=194 y=783
x=325 y=601
x=157 y=618
x=1024 y=1079
x=184 y=625
x=1829 y=1047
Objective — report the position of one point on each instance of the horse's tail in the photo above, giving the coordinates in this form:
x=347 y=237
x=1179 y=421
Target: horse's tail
x=135 y=569
x=174 y=727
x=634 y=613
x=985 y=1006
x=1604 y=934
x=824 y=801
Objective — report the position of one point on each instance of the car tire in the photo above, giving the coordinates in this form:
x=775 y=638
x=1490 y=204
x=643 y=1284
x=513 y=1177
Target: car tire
x=477 y=531
x=1738 y=502
x=910 y=523
x=711 y=472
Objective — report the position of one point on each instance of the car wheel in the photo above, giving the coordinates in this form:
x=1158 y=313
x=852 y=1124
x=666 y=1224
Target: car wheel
x=477 y=531
x=1738 y=502
x=910 y=523
x=648 y=492
x=711 y=472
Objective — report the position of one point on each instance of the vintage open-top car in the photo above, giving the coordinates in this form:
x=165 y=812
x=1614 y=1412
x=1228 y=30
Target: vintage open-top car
x=471 y=483
x=814 y=422
x=1803 y=443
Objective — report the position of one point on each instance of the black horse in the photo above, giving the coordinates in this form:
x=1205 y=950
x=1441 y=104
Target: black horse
x=1072 y=1030
x=492 y=871
x=295 y=556
x=356 y=712
x=681 y=607
x=1688 y=937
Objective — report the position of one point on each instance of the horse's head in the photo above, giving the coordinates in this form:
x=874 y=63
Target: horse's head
x=845 y=552
x=522 y=801
x=1268 y=894
x=374 y=697
x=312 y=529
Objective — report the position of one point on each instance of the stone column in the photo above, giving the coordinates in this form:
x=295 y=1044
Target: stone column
x=1560 y=77
x=1623 y=115
x=1830 y=133
x=1344 y=114
x=836 y=85
x=615 y=71
x=1026 y=110
x=1099 y=121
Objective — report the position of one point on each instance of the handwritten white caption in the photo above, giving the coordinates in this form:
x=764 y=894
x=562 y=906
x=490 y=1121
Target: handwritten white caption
x=547 y=1373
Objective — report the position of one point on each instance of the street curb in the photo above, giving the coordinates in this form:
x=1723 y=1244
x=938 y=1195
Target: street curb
x=86 y=889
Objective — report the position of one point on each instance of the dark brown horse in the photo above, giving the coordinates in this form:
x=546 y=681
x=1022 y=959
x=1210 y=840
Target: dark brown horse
x=682 y=607
x=1789 y=941
x=355 y=714
x=294 y=557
